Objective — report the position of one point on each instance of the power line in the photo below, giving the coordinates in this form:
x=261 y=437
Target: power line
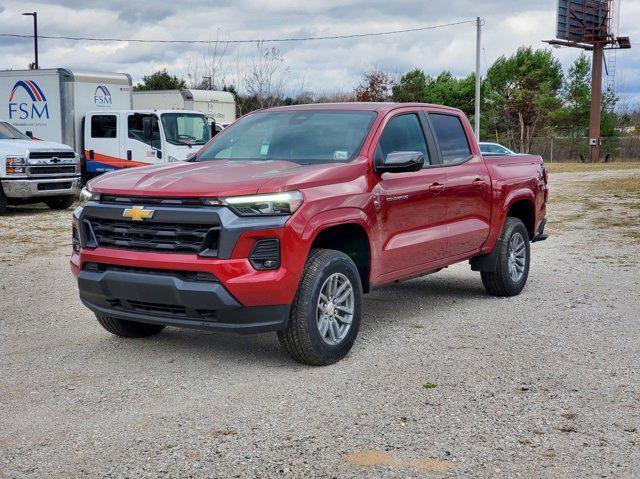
x=270 y=40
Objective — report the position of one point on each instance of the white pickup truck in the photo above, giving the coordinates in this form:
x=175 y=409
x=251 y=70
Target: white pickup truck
x=33 y=171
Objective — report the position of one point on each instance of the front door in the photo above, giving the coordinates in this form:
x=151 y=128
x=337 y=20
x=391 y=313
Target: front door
x=412 y=206
x=143 y=142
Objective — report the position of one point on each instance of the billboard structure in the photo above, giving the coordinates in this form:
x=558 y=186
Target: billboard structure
x=591 y=25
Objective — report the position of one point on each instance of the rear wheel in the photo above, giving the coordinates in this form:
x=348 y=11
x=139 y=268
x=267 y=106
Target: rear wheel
x=514 y=255
x=59 y=202
x=326 y=312
x=128 y=329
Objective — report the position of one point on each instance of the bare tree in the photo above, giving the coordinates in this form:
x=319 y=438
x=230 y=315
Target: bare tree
x=266 y=76
x=210 y=73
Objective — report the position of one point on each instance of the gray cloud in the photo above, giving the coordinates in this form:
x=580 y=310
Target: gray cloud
x=321 y=66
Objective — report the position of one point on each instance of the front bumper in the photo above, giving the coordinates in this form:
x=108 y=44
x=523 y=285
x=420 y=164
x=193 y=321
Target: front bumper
x=167 y=298
x=32 y=187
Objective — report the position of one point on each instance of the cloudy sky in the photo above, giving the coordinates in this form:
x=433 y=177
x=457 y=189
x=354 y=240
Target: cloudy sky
x=321 y=66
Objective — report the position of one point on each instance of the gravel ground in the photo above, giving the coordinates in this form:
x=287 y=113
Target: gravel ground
x=444 y=381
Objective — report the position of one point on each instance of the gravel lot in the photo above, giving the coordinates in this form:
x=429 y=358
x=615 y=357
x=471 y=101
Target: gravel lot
x=444 y=380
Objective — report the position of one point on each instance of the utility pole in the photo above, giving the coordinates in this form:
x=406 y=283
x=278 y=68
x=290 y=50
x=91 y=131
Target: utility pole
x=596 y=103
x=35 y=37
x=478 y=75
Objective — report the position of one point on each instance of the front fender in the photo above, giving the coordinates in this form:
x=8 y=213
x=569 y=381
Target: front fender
x=335 y=217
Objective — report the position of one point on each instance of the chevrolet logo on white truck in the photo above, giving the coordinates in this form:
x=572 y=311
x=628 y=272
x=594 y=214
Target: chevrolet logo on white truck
x=34 y=171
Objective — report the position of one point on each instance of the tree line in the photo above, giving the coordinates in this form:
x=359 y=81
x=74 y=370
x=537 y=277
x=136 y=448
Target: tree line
x=525 y=95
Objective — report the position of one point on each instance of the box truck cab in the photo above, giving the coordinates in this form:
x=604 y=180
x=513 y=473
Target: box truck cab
x=92 y=113
x=218 y=106
x=127 y=138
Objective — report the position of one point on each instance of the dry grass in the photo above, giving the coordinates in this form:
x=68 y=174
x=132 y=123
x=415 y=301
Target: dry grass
x=587 y=167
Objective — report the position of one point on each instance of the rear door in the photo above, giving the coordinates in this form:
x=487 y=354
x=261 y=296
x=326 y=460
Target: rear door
x=411 y=206
x=102 y=140
x=468 y=192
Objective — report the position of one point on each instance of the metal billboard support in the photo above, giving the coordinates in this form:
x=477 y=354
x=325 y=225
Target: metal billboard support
x=589 y=25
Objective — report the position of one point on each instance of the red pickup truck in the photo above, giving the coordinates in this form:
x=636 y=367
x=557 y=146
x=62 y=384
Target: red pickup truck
x=285 y=219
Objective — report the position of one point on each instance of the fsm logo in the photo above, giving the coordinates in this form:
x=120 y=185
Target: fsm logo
x=34 y=105
x=102 y=96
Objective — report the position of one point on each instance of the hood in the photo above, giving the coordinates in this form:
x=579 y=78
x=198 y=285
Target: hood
x=221 y=178
x=20 y=147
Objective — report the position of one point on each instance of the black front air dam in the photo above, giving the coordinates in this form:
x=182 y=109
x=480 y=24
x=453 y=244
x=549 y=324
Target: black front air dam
x=170 y=300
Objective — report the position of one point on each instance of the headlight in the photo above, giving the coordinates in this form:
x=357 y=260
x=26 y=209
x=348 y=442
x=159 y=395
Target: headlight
x=172 y=159
x=275 y=204
x=86 y=196
x=15 y=165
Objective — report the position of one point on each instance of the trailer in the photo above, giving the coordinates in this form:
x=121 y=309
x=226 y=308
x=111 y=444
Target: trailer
x=220 y=106
x=51 y=104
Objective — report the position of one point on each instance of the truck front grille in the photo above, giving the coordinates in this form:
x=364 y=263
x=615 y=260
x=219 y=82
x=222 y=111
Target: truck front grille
x=155 y=237
x=47 y=155
x=53 y=170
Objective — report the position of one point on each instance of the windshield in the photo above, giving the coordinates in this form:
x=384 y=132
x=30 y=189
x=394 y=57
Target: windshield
x=8 y=132
x=186 y=129
x=300 y=136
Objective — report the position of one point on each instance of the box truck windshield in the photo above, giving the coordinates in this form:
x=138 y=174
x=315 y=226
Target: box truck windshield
x=185 y=129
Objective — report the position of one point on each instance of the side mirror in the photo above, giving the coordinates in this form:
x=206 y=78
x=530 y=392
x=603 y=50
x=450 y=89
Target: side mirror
x=401 y=162
x=147 y=129
x=29 y=134
x=191 y=157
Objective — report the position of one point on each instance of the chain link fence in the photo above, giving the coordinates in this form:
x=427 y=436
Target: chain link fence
x=577 y=149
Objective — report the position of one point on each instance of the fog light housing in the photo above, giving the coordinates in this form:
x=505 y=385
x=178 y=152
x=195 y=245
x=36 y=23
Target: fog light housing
x=265 y=254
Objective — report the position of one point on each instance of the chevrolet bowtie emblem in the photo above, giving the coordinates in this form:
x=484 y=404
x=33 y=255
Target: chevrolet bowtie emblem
x=138 y=213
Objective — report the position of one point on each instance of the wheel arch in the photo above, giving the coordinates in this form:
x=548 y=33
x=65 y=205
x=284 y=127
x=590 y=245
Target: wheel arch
x=348 y=232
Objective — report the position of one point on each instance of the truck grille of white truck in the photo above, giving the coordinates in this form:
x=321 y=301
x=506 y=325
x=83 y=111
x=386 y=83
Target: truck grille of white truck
x=53 y=170
x=48 y=155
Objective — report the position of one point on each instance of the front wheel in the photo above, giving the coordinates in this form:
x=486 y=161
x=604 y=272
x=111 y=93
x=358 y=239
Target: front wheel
x=3 y=201
x=59 y=202
x=514 y=255
x=326 y=312
x=128 y=329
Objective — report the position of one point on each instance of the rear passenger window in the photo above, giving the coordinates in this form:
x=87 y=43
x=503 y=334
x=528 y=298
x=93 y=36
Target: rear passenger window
x=404 y=133
x=104 y=126
x=451 y=137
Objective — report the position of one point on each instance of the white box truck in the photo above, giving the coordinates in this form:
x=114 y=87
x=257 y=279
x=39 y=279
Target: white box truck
x=92 y=112
x=220 y=106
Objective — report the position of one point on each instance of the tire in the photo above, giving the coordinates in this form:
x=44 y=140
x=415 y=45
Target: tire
x=302 y=338
x=59 y=202
x=3 y=202
x=128 y=329
x=503 y=282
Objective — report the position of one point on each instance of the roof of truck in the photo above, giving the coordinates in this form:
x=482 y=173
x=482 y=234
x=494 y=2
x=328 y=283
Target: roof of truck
x=382 y=107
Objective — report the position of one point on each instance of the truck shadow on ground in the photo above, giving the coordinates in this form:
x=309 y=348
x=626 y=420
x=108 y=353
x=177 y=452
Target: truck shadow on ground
x=410 y=303
x=33 y=210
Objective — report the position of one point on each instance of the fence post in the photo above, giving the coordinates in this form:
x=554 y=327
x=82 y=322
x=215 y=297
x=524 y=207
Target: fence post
x=552 y=149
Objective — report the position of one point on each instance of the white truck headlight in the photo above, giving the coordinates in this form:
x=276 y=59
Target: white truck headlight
x=15 y=165
x=273 y=204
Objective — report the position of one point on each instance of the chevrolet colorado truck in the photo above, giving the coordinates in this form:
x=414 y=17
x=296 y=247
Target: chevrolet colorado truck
x=34 y=171
x=287 y=217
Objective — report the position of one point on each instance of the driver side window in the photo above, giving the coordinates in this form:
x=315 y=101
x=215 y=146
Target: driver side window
x=403 y=133
x=136 y=128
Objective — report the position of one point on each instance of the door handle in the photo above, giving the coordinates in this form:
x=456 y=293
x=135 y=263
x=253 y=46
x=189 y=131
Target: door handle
x=478 y=183
x=436 y=188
